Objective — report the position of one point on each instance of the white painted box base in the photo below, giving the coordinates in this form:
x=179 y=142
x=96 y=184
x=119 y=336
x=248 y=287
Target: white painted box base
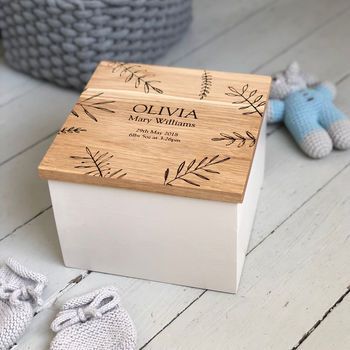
x=186 y=241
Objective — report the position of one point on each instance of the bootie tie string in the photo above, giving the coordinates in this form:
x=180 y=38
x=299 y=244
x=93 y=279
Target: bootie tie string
x=106 y=301
x=17 y=294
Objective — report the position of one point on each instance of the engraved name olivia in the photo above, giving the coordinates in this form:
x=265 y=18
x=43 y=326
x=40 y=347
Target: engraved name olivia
x=145 y=113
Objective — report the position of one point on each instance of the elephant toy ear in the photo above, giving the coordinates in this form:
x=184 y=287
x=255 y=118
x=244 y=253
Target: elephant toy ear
x=293 y=70
x=310 y=79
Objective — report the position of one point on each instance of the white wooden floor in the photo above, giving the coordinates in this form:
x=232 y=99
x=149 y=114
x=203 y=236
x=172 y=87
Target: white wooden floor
x=295 y=285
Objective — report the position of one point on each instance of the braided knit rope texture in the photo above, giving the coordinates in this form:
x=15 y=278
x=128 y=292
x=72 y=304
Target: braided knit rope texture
x=94 y=321
x=63 y=40
x=20 y=293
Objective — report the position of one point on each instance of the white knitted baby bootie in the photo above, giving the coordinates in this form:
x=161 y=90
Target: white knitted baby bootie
x=95 y=321
x=20 y=292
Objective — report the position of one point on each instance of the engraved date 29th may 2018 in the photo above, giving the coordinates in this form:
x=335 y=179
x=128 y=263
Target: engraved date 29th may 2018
x=153 y=134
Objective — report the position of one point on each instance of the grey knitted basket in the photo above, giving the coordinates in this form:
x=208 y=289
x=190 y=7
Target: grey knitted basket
x=63 y=40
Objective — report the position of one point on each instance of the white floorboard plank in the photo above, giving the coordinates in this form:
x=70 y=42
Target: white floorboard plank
x=13 y=83
x=287 y=284
x=210 y=19
x=333 y=332
x=36 y=245
x=23 y=195
x=151 y=305
x=261 y=37
x=32 y=117
x=324 y=53
x=290 y=180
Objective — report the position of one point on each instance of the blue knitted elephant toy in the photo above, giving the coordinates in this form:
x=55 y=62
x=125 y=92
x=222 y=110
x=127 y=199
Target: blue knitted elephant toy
x=307 y=110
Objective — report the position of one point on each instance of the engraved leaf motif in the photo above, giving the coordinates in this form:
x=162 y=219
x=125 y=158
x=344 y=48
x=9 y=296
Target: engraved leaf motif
x=231 y=94
x=166 y=175
x=250 y=135
x=191 y=164
x=71 y=130
x=206 y=83
x=129 y=77
x=202 y=161
x=211 y=171
x=231 y=139
x=201 y=176
x=249 y=99
x=252 y=93
x=180 y=168
x=183 y=173
x=89 y=114
x=139 y=75
x=189 y=181
x=103 y=109
x=97 y=164
x=89 y=107
x=258 y=98
x=215 y=157
x=157 y=90
x=218 y=138
x=221 y=160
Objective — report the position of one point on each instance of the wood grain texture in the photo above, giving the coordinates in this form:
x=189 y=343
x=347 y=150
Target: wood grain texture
x=160 y=129
x=286 y=286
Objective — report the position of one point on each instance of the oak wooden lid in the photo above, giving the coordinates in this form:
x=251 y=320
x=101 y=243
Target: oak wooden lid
x=160 y=129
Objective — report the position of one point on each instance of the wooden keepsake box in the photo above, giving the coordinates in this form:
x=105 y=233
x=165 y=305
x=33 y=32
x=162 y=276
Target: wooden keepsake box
x=156 y=173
